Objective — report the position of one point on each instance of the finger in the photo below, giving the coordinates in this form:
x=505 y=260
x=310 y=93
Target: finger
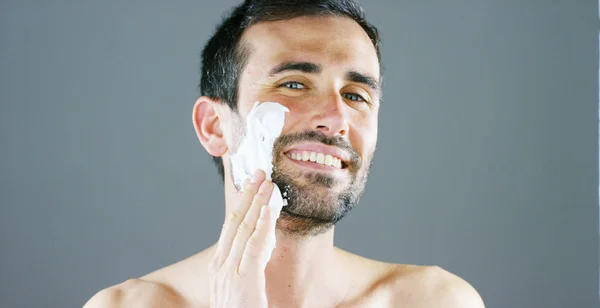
x=236 y=216
x=259 y=247
x=247 y=226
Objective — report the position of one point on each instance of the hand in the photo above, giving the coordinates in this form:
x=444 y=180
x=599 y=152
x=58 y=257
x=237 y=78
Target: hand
x=237 y=270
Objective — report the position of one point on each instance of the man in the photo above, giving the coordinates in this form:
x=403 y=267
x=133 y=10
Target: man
x=320 y=59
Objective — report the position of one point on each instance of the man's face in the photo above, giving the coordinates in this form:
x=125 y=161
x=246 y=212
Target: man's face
x=326 y=71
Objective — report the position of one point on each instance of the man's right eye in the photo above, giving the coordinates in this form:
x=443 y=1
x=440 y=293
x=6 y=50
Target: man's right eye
x=293 y=85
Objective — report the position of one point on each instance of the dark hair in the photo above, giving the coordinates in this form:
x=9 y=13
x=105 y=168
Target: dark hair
x=224 y=55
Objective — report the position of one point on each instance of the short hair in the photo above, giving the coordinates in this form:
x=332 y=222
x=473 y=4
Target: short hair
x=224 y=56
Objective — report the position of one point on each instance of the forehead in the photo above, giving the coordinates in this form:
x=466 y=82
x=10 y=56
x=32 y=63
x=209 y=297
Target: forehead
x=329 y=41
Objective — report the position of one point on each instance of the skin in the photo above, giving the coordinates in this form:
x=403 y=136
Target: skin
x=303 y=271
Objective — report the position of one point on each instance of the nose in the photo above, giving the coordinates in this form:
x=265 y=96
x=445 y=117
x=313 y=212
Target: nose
x=330 y=117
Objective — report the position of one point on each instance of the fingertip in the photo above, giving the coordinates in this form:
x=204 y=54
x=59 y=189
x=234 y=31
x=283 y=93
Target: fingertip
x=259 y=175
x=265 y=187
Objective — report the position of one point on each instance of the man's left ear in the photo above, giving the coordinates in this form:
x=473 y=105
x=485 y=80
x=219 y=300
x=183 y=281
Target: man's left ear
x=208 y=126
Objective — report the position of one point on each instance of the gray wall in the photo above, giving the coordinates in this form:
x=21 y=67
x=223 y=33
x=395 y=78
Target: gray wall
x=487 y=162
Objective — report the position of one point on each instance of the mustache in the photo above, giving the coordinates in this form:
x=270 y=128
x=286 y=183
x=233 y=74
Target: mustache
x=315 y=136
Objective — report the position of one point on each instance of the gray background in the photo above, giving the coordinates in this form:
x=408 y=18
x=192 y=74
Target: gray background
x=487 y=162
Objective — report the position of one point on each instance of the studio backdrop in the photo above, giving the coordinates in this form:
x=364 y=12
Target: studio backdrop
x=487 y=158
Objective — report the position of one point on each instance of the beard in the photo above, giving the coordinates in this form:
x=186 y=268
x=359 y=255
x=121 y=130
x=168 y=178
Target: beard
x=316 y=201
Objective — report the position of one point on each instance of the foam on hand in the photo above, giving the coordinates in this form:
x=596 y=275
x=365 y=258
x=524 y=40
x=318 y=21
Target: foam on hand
x=264 y=123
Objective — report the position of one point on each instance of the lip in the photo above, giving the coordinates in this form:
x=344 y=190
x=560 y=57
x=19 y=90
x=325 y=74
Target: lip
x=320 y=148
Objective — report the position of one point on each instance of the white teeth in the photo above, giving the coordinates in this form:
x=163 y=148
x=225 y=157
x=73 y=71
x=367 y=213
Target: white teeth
x=328 y=160
x=319 y=158
x=305 y=156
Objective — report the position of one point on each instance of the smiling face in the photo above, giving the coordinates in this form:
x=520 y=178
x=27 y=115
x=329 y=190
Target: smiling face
x=326 y=71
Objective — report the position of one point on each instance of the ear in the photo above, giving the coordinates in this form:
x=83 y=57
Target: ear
x=208 y=126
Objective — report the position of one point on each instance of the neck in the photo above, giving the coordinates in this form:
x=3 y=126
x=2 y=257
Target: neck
x=296 y=260
x=298 y=266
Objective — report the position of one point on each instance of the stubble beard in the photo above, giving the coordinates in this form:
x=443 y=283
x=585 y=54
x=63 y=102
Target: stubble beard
x=316 y=201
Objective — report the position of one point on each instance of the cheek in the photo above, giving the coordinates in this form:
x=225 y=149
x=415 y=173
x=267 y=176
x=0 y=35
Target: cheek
x=363 y=134
x=294 y=122
x=296 y=118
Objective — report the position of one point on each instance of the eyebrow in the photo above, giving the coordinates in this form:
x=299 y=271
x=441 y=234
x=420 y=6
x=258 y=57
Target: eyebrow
x=371 y=82
x=305 y=67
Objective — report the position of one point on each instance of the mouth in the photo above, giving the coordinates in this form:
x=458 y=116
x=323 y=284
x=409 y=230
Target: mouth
x=318 y=157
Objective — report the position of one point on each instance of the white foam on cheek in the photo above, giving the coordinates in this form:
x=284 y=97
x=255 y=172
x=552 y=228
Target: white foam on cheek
x=264 y=123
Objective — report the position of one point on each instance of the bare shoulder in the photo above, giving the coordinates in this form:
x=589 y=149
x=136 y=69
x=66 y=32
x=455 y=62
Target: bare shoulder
x=432 y=286
x=138 y=293
x=382 y=284
x=182 y=284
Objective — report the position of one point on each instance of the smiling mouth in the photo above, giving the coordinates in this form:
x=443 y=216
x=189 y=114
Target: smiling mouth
x=316 y=160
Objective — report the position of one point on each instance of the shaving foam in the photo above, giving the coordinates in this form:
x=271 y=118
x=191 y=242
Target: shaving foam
x=264 y=124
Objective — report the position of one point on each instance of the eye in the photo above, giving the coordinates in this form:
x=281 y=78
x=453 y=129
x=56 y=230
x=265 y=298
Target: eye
x=293 y=85
x=354 y=97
